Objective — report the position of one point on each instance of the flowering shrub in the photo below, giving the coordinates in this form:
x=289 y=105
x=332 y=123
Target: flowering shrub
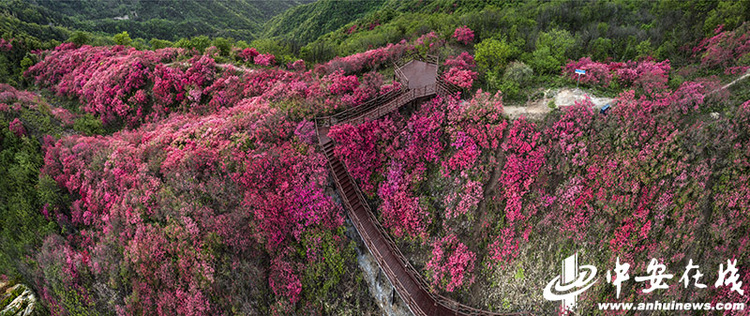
x=725 y=48
x=460 y=71
x=357 y=148
x=460 y=77
x=428 y=43
x=464 y=35
x=341 y=84
x=366 y=90
x=523 y=161
x=265 y=60
x=370 y=59
x=596 y=73
x=136 y=87
x=449 y=135
x=452 y=264
x=113 y=82
x=462 y=61
x=9 y=95
x=625 y=185
x=305 y=131
x=505 y=248
x=248 y=54
x=464 y=201
x=245 y=179
x=647 y=74
x=64 y=116
x=297 y=65
x=384 y=89
x=5 y=45
x=17 y=128
x=400 y=210
x=33 y=110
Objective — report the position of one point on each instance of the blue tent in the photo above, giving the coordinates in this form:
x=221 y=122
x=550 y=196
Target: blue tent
x=605 y=108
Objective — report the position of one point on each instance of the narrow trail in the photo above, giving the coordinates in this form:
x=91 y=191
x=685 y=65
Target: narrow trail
x=747 y=74
x=421 y=81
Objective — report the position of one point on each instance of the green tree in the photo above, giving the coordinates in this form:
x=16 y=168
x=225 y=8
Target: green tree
x=492 y=54
x=518 y=72
x=224 y=45
x=601 y=48
x=551 y=51
x=140 y=44
x=122 y=38
x=80 y=38
x=644 y=49
x=159 y=44
x=200 y=43
x=727 y=13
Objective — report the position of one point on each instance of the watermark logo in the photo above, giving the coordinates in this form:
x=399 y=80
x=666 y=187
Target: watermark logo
x=573 y=281
x=576 y=279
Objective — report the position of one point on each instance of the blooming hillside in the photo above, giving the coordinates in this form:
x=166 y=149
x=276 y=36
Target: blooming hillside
x=217 y=188
x=477 y=200
x=185 y=185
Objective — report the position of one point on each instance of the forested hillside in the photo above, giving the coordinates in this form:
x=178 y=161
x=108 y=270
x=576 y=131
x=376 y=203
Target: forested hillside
x=305 y=23
x=170 y=163
x=167 y=20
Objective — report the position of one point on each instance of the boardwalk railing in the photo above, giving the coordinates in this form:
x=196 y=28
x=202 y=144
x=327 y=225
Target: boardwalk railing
x=409 y=284
x=401 y=77
x=385 y=104
x=407 y=58
x=362 y=109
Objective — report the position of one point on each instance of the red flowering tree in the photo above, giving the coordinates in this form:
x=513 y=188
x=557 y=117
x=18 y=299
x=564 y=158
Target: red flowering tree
x=248 y=54
x=265 y=59
x=460 y=70
x=464 y=35
x=16 y=126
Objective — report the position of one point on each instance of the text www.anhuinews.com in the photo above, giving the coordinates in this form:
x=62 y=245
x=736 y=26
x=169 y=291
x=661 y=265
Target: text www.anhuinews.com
x=672 y=306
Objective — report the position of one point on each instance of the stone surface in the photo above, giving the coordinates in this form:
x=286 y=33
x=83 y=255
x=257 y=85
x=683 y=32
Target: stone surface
x=23 y=304
x=381 y=290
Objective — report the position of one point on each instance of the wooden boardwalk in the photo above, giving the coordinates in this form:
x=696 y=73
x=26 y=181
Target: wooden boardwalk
x=421 y=81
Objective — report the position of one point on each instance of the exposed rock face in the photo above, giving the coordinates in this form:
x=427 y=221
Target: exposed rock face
x=381 y=289
x=17 y=300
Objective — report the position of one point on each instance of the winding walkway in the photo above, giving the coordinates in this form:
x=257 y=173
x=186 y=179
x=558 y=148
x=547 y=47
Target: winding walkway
x=419 y=81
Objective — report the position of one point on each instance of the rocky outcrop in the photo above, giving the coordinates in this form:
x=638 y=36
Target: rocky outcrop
x=17 y=300
x=381 y=289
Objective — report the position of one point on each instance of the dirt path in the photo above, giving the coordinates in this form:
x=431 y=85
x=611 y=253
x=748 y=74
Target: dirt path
x=537 y=109
x=747 y=74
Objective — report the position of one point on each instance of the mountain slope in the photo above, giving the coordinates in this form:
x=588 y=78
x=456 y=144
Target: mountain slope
x=169 y=19
x=306 y=23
